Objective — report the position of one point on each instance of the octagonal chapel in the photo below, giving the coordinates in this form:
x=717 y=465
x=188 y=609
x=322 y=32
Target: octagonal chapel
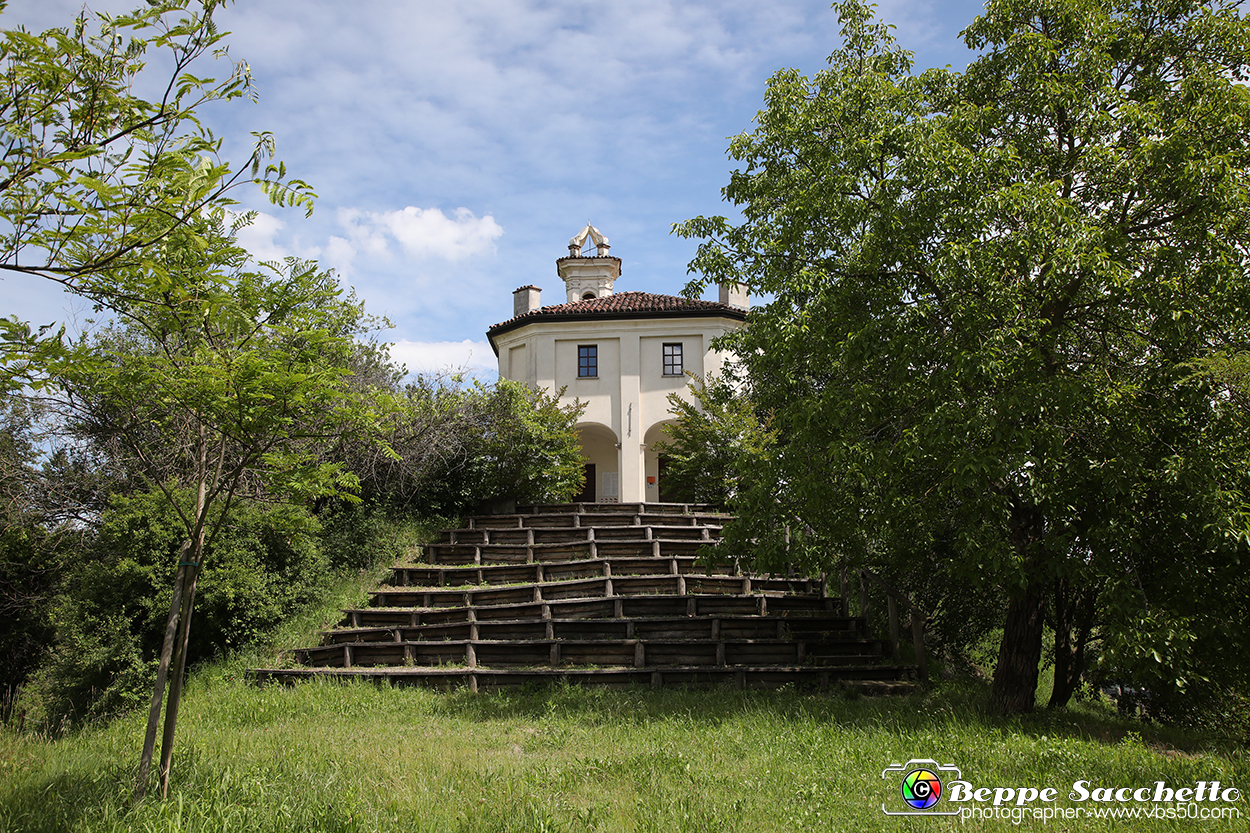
x=621 y=353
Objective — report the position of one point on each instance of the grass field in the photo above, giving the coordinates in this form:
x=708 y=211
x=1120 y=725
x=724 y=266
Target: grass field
x=364 y=758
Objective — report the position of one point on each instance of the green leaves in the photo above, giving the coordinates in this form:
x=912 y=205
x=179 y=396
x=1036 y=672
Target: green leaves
x=453 y=449
x=714 y=440
x=220 y=377
x=282 y=193
x=990 y=290
x=94 y=179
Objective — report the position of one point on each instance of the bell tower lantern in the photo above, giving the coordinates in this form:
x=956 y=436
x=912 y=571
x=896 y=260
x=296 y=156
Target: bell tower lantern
x=588 y=271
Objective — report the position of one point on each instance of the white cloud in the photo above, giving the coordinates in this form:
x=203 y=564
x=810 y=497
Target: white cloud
x=374 y=237
x=258 y=238
x=339 y=254
x=421 y=232
x=472 y=357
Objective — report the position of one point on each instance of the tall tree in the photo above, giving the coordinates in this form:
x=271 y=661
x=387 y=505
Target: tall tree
x=988 y=289
x=213 y=378
x=223 y=382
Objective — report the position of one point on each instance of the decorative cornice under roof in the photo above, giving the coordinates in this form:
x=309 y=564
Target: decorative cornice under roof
x=621 y=305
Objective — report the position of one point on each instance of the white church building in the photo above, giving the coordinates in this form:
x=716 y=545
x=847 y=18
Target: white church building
x=621 y=353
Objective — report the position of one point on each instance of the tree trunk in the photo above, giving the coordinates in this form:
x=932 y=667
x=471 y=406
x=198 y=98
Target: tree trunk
x=1015 y=677
x=1066 y=671
x=190 y=571
x=1074 y=621
x=179 y=667
x=162 y=672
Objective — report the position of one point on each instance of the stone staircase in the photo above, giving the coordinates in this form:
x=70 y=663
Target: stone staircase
x=601 y=594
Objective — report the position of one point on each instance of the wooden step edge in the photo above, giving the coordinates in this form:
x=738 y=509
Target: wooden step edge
x=579 y=544
x=617 y=641
x=784 y=615
x=849 y=621
x=459 y=589
x=453 y=668
x=388 y=589
x=653 y=676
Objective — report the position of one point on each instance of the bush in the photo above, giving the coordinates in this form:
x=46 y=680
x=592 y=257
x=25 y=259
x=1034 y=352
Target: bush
x=719 y=443
x=362 y=536
x=31 y=564
x=459 y=448
x=110 y=618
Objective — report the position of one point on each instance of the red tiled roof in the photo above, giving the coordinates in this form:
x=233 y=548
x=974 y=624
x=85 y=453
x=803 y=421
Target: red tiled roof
x=624 y=305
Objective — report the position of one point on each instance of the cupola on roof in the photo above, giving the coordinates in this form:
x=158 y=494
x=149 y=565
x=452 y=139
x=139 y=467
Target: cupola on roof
x=588 y=276
x=579 y=240
x=588 y=281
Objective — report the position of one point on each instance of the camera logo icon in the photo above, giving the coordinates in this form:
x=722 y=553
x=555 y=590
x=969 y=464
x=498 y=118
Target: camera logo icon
x=920 y=786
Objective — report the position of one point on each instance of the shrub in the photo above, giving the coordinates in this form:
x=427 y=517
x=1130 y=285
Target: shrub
x=361 y=536
x=110 y=618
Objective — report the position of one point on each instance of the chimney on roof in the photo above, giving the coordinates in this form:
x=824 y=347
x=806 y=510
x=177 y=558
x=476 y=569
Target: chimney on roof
x=735 y=295
x=525 y=299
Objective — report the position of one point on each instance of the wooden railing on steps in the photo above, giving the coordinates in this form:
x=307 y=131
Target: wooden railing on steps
x=894 y=597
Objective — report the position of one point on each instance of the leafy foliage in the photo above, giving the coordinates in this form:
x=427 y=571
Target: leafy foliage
x=366 y=535
x=449 y=449
x=989 y=288
x=94 y=178
x=110 y=616
x=222 y=385
x=212 y=378
x=32 y=556
x=714 y=442
x=523 y=446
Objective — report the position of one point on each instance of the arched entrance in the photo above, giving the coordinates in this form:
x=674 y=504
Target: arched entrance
x=654 y=463
x=601 y=453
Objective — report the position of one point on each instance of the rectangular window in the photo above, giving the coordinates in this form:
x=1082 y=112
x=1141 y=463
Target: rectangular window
x=672 y=360
x=587 y=361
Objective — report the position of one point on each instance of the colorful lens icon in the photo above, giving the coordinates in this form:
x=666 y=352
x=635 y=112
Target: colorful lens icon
x=921 y=789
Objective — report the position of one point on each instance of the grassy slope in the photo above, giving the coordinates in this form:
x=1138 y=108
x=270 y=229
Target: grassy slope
x=358 y=757
x=363 y=758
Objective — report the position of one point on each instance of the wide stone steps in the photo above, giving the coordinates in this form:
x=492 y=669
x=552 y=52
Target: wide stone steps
x=616 y=607
x=571 y=534
x=465 y=554
x=540 y=571
x=602 y=594
x=639 y=653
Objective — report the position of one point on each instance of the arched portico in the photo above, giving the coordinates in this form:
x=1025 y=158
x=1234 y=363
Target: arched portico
x=653 y=463
x=601 y=452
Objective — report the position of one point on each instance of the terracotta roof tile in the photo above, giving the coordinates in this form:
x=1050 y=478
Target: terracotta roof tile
x=623 y=302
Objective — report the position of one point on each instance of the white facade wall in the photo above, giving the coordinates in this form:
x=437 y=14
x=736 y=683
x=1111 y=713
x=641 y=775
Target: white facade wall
x=627 y=404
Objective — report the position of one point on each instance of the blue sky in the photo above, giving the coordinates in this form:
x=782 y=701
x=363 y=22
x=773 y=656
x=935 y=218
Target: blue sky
x=456 y=146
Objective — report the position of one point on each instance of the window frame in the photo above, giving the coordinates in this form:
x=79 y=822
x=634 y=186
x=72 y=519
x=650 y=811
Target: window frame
x=588 y=362
x=666 y=355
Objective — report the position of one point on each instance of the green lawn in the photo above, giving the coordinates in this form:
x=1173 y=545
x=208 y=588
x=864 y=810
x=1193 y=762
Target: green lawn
x=358 y=757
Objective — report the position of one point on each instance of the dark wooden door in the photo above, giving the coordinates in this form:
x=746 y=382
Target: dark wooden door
x=587 y=494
